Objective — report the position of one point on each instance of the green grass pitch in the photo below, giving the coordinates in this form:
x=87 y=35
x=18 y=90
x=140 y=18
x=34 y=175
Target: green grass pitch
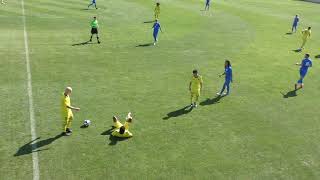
x=255 y=133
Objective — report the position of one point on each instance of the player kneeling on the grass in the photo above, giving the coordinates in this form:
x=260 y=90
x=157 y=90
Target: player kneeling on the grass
x=228 y=78
x=94 y=29
x=304 y=66
x=195 y=87
x=67 y=111
x=120 y=129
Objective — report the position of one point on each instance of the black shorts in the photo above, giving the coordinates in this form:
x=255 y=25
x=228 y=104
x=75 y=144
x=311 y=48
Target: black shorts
x=94 y=31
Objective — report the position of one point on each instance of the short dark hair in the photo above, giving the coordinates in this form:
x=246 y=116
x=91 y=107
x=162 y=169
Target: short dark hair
x=195 y=71
x=307 y=55
x=309 y=27
x=228 y=63
x=122 y=130
x=158 y=3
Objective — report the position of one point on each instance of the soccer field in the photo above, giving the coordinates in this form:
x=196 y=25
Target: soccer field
x=262 y=130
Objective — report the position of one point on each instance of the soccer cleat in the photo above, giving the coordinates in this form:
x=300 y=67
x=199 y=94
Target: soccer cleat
x=219 y=94
x=225 y=94
x=154 y=43
x=98 y=42
x=191 y=105
x=195 y=105
x=90 y=40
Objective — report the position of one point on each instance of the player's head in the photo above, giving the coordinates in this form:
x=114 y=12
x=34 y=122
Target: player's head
x=158 y=4
x=94 y=17
x=115 y=119
x=297 y=15
x=68 y=91
x=309 y=28
x=227 y=63
x=195 y=72
x=156 y=20
x=122 y=130
x=307 y=56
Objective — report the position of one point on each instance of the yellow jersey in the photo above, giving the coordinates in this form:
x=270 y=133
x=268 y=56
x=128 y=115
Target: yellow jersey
x=65 y=102
x=124 y=135
x=306 y=33
x=117 y=124
x=157 y=9
x=196 y=83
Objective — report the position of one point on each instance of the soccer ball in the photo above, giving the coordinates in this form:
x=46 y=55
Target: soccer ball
x=86 y=123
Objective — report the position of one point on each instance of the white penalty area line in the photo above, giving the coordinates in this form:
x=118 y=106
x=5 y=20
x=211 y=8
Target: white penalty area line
x=35 y=159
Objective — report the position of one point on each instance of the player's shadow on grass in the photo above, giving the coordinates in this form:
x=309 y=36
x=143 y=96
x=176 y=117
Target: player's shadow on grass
x=289 y=33
x=33 y=146
x=152 y=21
x=214 y=100
x=145 y=45
x=83 y=43
x=292 y=93
x=317 y=56
x=179 y=112
x=297 y=50
x=113 y=140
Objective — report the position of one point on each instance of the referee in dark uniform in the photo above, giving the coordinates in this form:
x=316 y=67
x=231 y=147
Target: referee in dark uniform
x=94 y=29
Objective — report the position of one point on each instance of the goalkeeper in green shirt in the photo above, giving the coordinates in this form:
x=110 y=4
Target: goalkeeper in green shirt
x=94 y=29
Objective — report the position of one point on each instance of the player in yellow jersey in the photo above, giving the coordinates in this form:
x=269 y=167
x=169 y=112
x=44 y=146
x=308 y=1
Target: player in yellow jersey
x=120 y=129
x=67 y=114
x=157 y=11
x=195 y=87
x=305 y=35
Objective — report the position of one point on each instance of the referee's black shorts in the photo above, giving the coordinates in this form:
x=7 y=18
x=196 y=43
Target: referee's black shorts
x=94 y=31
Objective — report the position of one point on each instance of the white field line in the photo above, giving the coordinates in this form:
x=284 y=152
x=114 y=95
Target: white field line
x=35 y=160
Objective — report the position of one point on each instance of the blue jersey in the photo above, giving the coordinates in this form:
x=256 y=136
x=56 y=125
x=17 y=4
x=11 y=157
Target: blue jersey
x=295 y=21
x=93 y=1
x=305 y=64
x=228 y=73
x=156 y=28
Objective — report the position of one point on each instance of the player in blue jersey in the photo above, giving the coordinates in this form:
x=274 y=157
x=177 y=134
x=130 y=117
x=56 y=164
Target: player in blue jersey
x=304 y=66
x=295 y=23
x=228 y=78
x=206 y=8
x=93 y=2
x=156 y=27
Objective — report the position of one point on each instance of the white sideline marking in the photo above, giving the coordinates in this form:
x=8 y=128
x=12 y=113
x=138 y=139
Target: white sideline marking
x=35 y=160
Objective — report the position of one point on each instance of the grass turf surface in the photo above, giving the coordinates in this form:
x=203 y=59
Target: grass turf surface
x=255 y=133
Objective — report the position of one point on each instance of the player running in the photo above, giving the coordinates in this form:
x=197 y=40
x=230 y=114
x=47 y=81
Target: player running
x=94 y=29
x=67 y=111
x=120 y=129
x=195 y=87
x=228 y=78
x=306 y=34
x=93 y=2
x=295 y=24
x=157 y=11
x=206 y=8
x=156 y=27
x=304 y=66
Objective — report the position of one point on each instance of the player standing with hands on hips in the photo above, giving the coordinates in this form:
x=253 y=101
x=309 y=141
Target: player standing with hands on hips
x=67 y=114
x=195 y=87
x=94 y=29
x=228 y=78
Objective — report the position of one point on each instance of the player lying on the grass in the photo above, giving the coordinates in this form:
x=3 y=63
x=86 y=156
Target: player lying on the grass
x=157 y=11
x=306 y=34
x=295 y=24
x=228 y=78
x=122 y=130
x=195 y=87
x=156 y=27
x=94 y=29
x=304 y=66
x=67 y=114
x=206 y=8
x=93 y=2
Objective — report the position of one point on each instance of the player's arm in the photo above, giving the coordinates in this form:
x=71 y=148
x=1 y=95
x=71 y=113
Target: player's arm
x=160 y=29
x=222 y=74
x=190 y=86
x=73 y=108
x=298 y=64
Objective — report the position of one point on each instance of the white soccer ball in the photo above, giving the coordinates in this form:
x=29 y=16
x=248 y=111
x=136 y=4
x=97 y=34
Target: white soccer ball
x=86 y=123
